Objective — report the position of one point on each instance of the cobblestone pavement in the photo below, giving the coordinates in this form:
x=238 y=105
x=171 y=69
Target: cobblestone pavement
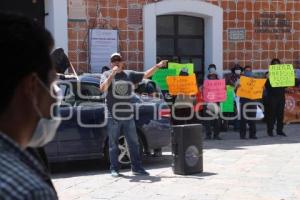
x=263 y=169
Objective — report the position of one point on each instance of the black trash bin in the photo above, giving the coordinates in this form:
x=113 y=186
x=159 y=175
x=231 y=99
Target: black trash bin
x=187 y=149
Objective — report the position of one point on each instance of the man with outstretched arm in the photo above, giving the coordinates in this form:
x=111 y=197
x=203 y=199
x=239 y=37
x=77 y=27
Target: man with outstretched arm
x=119 y=85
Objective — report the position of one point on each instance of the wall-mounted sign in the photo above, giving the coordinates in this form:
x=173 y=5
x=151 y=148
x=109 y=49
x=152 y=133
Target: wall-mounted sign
x=135 y=13
x=235 y=34
x=274 y=23
x=77 y=10
x=102 y=43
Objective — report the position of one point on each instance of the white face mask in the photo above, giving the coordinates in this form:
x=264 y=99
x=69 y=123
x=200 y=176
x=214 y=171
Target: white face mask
x=46 y=128
x=238 y=72
x=212 y=70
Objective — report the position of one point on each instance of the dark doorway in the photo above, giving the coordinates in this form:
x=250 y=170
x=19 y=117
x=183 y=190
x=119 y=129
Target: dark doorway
x=35 y=9
x=180 y=38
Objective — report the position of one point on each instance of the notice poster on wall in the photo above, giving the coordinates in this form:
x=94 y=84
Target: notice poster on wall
x=102 y=43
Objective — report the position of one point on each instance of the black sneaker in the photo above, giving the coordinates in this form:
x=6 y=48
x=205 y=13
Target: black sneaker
x=282 y=134
x=114 y=173
x=140 y=172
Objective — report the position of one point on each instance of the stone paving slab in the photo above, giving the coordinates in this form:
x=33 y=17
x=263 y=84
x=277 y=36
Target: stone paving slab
x=263 y=169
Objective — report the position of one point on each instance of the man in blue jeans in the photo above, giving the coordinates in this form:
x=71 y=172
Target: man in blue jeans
x=119 y=85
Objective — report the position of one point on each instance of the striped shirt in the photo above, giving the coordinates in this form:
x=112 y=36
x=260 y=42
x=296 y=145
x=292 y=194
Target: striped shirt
x=21 y=176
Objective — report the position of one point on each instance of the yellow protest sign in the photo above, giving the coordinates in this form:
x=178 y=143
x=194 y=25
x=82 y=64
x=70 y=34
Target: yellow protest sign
x=251 y=88
x=282 y=75
x=182 y=85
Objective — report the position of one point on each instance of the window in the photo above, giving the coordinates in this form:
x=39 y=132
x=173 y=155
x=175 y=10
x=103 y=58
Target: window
x=180 y=39
x=89 y=93
x=68 y=95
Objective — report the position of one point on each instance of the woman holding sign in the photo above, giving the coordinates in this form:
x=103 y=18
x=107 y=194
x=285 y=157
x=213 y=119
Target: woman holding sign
x=276 y=102
x=247 y=115
x=211 y=110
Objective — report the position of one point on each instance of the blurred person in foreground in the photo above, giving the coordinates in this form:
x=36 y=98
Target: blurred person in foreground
x=25 y=108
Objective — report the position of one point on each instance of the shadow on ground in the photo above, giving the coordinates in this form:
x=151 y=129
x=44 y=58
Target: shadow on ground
x=231 y=139
x=93 y=167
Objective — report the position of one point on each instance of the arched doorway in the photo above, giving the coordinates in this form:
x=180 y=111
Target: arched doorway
x=180 y=38
x=212 y=16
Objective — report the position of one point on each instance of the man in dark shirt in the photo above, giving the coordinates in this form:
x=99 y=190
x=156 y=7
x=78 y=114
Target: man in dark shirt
x=25 y=106
x=275 y=101
x=119 y=85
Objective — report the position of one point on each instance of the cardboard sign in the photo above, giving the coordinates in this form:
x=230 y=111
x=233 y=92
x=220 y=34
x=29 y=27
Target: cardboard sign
x=251 y=88
x=160 y=77
x=178 y=67
x=214 y=91
x=228 y=105
x=282 y=75
x=292 y=105
x=182 y=85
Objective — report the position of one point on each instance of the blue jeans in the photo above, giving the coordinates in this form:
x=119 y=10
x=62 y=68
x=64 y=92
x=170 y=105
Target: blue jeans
x=114 y=130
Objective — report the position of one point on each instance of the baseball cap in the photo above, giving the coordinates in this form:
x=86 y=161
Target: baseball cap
x=115 y=56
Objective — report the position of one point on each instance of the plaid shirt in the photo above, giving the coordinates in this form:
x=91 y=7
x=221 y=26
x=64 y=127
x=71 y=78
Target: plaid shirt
x=21 y=175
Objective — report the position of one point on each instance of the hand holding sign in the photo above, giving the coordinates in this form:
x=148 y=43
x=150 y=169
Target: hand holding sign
x=251 y=88
x=282 y=75
x=228 y=105
x=182 y=85
x=214 y=91
x=161 y=75
x=178 y=67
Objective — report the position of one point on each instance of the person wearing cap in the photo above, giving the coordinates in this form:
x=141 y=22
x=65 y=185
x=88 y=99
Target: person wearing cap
x=118 y=84
x=234 y=77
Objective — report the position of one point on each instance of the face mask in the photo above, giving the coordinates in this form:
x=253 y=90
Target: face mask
x=248 y=73
x=46 y=128
x=212 y=70
x=238 y=72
